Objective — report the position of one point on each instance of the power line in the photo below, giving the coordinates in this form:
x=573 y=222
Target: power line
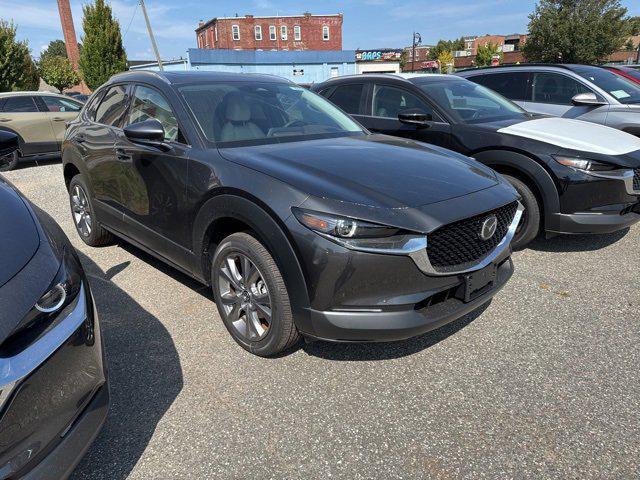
x=131 y=21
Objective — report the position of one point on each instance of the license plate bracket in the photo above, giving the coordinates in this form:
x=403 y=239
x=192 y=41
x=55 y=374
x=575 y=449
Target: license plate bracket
x=479 y=282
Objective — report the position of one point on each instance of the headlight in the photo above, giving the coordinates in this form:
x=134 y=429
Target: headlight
x=360 y=235
x=342 y=227
x=61 y=292
x=584 y=164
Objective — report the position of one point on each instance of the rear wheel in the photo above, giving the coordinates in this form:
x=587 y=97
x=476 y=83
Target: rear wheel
x=251 y=296
x=529 y=225
x=90 y=231
x=9 y=162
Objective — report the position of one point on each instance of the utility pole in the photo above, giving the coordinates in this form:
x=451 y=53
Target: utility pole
x=417 y=39
x=153 y=39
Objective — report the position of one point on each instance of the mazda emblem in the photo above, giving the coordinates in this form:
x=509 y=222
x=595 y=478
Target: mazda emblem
x=488 y=227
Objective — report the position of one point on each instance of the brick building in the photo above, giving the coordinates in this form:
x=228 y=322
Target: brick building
x=301 y=32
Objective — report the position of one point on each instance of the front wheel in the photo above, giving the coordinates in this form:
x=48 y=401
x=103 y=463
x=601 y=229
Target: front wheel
x=251 y=296
x=529 y=225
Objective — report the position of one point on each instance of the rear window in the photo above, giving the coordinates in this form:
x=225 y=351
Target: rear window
x=113 y=106
x=510 y=85
x=347 y=97
x=19 y=104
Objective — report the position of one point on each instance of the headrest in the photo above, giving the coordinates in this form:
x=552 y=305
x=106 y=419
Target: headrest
x=237 y=110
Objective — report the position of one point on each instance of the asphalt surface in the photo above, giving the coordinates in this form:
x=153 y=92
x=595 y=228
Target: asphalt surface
x=543 y=383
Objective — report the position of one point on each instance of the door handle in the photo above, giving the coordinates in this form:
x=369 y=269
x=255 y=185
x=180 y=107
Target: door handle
x=122 y=154
x=58 y=119
x=80 y=139
x=5 y=119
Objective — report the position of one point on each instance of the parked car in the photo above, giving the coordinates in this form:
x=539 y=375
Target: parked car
x=54 y=395
x=81 y=97
x=583 y=92
x=38 y=118
x=574 y=177
x=626 y=71
x=302 y=222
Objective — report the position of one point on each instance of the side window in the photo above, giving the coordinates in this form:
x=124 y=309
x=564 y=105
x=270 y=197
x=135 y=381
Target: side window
x=510 y=85
x=55 y=104
x=147 y=104
x=388 y=102
x=113 y=106
x=347 y=97
x=555 y=88
x=19 y=104
x=92 y=105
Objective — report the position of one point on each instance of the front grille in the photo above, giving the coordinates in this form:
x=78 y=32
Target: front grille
x=636 y=179
x=458 y=246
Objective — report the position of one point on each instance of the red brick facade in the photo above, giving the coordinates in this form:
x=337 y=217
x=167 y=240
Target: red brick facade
x=304 y=32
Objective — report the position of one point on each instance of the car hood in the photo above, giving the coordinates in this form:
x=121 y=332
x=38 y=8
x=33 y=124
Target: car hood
x=575 y=135
x=18 y=233
x=372 y=170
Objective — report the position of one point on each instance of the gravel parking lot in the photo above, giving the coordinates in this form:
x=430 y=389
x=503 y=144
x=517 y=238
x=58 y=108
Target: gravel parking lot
x=544 y=382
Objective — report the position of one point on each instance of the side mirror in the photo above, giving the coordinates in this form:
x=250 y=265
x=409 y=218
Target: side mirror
x=415 y=117
x=8 y=143
x=587 y=99
x=149 y=132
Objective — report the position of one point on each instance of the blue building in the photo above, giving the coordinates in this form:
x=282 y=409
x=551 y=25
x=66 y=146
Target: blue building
x=300 y=66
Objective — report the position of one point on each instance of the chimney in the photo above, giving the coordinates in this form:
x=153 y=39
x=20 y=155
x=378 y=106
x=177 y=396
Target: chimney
x=69 y=32
x=200 y=23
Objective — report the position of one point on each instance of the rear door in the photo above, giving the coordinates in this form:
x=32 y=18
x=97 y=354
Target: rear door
x=59 y=111
x=350 y=97
x=511 y=85
x=20 y=114
x=154 y=180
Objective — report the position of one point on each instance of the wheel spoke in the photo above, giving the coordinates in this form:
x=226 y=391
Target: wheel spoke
x=229 y=298
x=230 y=272
x=234 y=313
x=264 y=308
x=248 y=270
x=250 y=319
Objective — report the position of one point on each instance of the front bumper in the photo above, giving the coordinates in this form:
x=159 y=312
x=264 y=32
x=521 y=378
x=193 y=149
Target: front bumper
x=591 y=222
x=55 y=397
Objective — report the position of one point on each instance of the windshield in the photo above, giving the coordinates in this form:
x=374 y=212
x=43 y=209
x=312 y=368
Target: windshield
x=623 y=90
x=468 y=102
x=254 y=113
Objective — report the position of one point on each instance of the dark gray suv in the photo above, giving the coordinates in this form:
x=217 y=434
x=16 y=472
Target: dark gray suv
x=583 y=92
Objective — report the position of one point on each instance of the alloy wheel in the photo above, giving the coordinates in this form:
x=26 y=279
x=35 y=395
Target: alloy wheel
x=245 y=297
x=81 y=210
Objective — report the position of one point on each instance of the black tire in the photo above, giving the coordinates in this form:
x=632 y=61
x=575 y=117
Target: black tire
x=9 y=162
x=96 y=236
x=529 y=226
x=281 y=333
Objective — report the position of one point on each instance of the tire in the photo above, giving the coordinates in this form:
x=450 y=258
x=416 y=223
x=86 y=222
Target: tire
x=95 y=235
x=240 y=294
x=9 y=162
x=529 y=226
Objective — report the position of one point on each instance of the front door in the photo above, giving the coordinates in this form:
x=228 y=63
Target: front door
x=389 y=101
x=59 y=111
x=154 y=180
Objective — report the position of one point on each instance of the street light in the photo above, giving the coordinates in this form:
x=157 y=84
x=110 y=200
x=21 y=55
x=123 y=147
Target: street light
x=417 y=40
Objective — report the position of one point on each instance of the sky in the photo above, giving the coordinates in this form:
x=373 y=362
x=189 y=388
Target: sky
x=368 y=24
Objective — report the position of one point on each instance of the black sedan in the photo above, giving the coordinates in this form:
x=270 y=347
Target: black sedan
x=303 y=223
x=53 y=384
x=573 y=176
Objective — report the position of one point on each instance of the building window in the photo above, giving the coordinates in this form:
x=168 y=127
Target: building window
x=272 y=32
x=325 y=33
x=283 y=32
x=297 y=34
x=235 y=32
x=258 y=32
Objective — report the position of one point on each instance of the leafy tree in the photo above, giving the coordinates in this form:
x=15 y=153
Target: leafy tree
x=629 y=45
x=102 y=53
x=58 y=72
x=56 y=48
x=446 y=46
x=575 y=31
x=485 y=54
x=445 y=59
x=17 y=70
x=634 y=25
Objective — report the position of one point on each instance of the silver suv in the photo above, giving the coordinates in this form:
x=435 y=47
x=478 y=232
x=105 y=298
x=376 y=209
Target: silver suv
x=584 y=92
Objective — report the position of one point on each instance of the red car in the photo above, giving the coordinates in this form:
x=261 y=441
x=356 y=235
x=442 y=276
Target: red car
x=630 y=73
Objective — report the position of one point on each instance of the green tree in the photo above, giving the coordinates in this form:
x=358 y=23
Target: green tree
x=102 y=53
x=629 y=45
x=17 y=70
x=445 y=59
x=485 y=54
x=446 y=46
x=575 y=31
x=58 y=72
x=56 y=48
x=634 y=25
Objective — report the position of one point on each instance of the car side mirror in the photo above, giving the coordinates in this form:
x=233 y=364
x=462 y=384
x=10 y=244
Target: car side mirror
x=8 y=143
x=587 y=99
x=149 y=132
x=415 y=117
